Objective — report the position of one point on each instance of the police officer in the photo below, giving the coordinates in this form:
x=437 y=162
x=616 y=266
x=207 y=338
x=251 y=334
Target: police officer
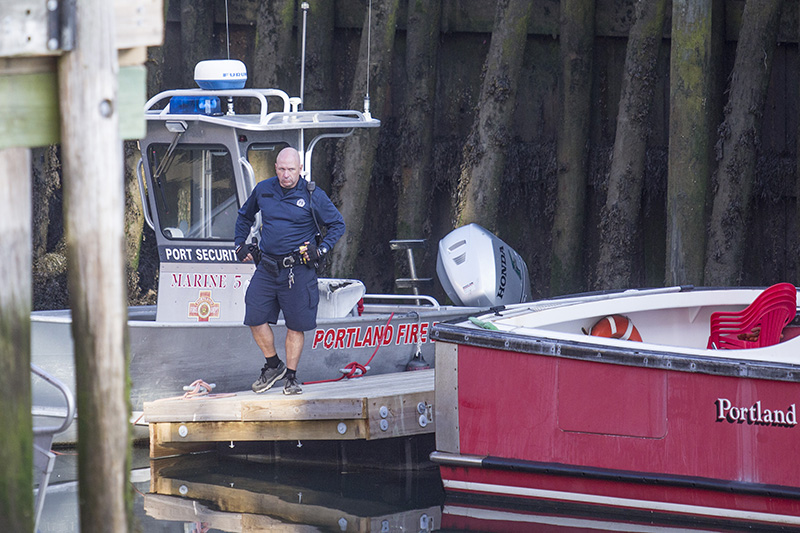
x=292 y=214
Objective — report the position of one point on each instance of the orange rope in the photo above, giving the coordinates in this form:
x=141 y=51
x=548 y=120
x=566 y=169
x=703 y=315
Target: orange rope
x=199 y=389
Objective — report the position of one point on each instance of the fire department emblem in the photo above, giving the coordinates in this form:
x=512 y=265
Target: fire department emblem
x=204 y=307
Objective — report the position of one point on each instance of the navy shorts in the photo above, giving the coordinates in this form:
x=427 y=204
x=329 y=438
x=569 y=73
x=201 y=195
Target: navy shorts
x=268 y=294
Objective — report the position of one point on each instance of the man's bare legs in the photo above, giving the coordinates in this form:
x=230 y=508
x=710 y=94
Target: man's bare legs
x=294 y=348
x=274 y=369
x=263 y=336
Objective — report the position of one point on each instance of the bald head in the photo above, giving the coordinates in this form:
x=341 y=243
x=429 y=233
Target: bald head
x=288 y=167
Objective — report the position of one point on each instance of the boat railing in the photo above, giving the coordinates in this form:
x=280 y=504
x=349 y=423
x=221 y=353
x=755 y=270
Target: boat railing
x=289 y=116
x=43 y=457
x=259 y=94
x=527 y=307
x=142 y=194
x=327 y=118
x=414 y=300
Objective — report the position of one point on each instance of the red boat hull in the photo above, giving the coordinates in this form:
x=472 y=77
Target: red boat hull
x=568 y=429
x=503 y=487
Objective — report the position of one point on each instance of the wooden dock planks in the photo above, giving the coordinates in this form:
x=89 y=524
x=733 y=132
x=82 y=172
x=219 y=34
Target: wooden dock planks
x=366 y=408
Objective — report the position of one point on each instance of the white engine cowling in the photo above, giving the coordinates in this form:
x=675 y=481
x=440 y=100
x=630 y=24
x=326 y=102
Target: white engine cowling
x=478 y=269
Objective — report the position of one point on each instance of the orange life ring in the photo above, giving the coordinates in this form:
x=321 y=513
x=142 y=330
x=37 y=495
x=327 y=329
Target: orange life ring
x=616 y=327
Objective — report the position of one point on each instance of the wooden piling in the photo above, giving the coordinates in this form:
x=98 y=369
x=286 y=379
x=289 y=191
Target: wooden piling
x=16 y=445
x=94 y=209
x=81 y=43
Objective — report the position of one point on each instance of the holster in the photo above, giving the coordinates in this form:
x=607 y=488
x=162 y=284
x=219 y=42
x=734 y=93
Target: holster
x=270 y=265
x=256 y=253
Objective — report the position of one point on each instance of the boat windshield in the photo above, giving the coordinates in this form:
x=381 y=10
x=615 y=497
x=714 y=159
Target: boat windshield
x=195 y=191
x=262 y=156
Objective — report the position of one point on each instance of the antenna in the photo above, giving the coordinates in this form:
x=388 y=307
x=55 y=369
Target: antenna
x=228 y=45
x=304 y=7
x=227 y=32
x=369 y=44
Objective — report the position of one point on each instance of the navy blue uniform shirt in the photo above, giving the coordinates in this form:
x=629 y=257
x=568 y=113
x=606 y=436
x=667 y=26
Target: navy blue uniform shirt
x=286 y=218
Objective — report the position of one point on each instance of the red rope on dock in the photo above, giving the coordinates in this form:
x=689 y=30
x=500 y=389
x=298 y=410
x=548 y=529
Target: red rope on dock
x=356 y=370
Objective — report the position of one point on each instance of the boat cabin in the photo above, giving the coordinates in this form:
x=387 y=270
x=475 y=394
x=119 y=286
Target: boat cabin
x=202 y=155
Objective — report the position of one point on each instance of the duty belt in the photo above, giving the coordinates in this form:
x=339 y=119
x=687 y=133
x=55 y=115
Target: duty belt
x=286 y=261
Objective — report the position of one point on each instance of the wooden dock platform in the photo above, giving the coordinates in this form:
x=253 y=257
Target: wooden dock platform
x=365 y=408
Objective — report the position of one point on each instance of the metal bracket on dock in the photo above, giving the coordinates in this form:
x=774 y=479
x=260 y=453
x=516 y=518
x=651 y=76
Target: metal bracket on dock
x=425 y=411
x=384 y=412
x=32 y=28
x=60 y=25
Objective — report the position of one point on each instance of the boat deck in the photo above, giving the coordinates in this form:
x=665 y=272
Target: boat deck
x=366 y=408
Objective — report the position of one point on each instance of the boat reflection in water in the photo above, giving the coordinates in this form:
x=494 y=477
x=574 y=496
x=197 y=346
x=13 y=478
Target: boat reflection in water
x=206 y=493
x=550 y=518
x=209 y=492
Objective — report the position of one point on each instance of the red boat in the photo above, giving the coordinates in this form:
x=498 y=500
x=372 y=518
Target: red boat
x=554 y=401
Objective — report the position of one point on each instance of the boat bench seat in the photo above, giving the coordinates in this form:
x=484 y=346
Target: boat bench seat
x=338 y=297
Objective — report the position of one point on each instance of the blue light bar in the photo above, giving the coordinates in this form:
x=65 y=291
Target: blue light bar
x=194 y=105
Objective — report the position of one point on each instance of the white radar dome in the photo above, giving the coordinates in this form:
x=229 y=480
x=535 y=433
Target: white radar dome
x=219 y=74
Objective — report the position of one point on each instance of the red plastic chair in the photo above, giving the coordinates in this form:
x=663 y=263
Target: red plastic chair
x=759 y=324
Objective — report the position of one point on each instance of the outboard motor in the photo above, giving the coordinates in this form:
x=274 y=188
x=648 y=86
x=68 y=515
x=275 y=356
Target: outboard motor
x=478 y=269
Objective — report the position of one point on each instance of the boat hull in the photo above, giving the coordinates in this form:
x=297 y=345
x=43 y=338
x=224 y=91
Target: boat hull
x=622 y=429
x=165 y=357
